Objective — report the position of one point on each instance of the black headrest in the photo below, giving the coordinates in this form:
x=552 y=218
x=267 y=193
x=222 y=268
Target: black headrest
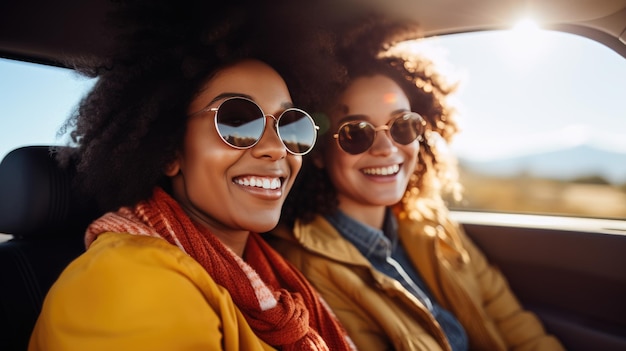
x=37 y=198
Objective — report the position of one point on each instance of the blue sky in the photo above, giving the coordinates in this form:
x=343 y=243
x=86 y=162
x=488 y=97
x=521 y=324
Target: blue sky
x=542 y=94
x=546 y=93
x=34 y=102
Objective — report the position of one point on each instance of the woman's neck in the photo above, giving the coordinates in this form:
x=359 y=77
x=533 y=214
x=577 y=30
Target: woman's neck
x=373 y=216
x=234 y=239
x=237 y=243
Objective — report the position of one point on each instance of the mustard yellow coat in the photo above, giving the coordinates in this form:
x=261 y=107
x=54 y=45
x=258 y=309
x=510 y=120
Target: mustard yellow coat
x=131 y=292
x=379 y=314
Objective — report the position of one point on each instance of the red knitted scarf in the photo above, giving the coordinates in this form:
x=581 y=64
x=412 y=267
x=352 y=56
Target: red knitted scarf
x=277 y=301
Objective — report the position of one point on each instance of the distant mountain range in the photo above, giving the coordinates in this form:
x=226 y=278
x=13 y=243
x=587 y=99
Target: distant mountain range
x=565 y=164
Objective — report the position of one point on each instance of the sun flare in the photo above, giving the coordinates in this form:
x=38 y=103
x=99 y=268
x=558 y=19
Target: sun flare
x=524 y=42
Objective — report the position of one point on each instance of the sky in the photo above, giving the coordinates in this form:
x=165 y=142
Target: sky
x=541 y=94
x=35 y=100
x=544 y=94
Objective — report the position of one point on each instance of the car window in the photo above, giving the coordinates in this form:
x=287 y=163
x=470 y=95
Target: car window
x=542 y=122
x=35 y=100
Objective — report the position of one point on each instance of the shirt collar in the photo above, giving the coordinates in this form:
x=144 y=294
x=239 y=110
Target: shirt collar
x=371 y=242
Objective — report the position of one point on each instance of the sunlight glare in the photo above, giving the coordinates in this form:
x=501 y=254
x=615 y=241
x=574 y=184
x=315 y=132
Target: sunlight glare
x=525 y=42
x=526 y=25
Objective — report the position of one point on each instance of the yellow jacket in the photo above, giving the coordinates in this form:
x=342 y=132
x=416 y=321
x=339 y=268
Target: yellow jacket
x=131 y=292
x=379 y=314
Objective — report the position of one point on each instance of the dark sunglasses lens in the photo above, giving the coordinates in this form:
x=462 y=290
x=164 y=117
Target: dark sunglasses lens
x=406 y=128
x=240 y=122
x=297 y=131
x=357 y=137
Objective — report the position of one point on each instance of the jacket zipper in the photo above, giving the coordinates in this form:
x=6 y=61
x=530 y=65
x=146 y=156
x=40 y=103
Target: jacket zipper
x=421 y=295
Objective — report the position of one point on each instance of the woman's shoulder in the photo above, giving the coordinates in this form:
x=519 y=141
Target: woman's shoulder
x=137 y=287
x=133 y=265
x=120 y=258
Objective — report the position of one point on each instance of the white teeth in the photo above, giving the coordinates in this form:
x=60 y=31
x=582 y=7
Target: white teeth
x=382 y=170
x=259 y=182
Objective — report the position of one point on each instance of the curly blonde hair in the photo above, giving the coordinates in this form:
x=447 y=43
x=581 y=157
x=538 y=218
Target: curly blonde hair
x=370 y=46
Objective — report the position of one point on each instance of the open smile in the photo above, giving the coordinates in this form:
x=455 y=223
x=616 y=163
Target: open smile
x=269 y=183
x=382 y=171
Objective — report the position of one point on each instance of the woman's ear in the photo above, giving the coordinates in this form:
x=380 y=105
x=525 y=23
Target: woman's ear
x=173 y=168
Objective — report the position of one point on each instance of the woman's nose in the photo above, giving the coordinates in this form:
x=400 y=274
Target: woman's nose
x=270 y=145
x=383 y=144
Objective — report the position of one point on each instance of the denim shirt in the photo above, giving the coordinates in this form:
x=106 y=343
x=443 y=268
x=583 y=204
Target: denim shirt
x=384 y=253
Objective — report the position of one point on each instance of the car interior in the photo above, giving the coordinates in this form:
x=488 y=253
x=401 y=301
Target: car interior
x=47 y=221
x=570 y=271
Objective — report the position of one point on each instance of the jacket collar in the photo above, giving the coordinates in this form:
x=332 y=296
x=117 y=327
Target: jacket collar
x=371 y=242
x=322 y=238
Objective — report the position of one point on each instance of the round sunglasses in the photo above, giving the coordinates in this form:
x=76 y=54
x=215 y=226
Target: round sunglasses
x=356 y=137
x=241 y=122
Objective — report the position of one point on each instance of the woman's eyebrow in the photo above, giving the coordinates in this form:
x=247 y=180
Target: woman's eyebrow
x=287 y=104
x=362 y=117
x=350 y=118
x=227 y=95
x=398 y=111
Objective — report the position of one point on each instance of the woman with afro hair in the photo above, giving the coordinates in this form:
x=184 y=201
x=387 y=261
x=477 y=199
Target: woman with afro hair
x=189 y=142
x=366 y=222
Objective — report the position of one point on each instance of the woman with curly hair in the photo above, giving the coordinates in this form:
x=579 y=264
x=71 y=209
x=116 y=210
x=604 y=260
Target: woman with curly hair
x=190 y=141
x=366 y=222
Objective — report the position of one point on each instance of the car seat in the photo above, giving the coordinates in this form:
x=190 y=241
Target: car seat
x=46 y=220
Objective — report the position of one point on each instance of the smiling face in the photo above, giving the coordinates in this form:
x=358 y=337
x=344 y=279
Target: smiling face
x=234 y=191
x=378 y=177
